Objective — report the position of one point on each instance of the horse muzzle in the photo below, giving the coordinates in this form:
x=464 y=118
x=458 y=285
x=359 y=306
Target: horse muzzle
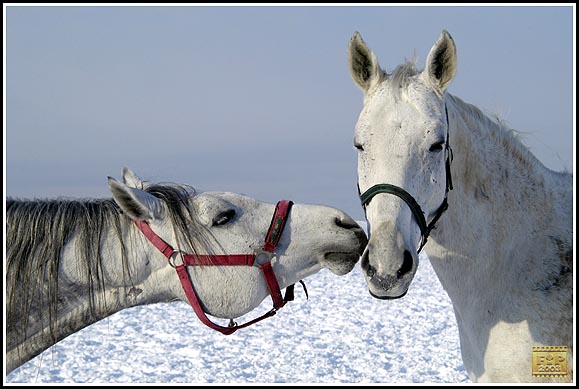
x=390 y=278
x=343 y=260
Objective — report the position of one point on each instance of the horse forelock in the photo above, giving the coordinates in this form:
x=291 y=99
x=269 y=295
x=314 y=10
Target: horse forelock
x=394 y=83
x=191 y=234
x=402 y=76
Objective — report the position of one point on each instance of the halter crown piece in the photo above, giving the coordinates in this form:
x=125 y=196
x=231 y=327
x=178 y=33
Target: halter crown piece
x=272 y=238
x=425 y=228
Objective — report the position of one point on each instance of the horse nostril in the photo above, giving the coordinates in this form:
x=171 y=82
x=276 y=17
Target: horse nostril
x=365 y=261
x=346 y=222
x=371 y=271
x=406 y=265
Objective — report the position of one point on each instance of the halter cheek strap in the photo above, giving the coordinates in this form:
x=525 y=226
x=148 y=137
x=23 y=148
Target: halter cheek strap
x=273 y=236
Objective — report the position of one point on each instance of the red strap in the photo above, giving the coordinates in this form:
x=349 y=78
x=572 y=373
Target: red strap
x=159 y=243
x=272 y=285
x=194 y=301
x=219 y=260
x=272 y=239
x=277 y=224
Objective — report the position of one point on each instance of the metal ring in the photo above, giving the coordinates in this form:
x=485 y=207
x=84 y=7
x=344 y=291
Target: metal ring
x=263 y=256
x=174 y=255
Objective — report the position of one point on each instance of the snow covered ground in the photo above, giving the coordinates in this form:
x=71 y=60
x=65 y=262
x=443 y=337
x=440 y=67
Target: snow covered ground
x=340 y=335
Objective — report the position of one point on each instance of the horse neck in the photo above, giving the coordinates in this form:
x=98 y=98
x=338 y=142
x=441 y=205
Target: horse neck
x=498 y=213
x=89 y=288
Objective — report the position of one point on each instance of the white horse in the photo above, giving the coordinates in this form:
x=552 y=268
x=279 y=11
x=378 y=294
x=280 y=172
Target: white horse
x=73 y=263
x=503 y=250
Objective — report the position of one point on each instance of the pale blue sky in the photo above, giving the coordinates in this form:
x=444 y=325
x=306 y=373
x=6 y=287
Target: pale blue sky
x=254 y=100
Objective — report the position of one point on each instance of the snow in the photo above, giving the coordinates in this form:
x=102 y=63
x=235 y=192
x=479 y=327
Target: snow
x=340 y=335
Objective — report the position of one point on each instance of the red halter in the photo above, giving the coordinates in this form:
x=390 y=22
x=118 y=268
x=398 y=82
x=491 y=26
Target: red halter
x=271 y=240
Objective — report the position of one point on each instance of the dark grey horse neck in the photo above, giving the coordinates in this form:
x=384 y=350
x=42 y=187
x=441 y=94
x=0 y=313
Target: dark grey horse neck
x=71 y=263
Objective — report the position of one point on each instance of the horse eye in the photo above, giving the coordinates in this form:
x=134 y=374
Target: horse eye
x=436 y=147
x=358 y=146
x=224 y=217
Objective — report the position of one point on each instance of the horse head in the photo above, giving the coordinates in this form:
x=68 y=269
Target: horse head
x=403 y=159
x=218 y=224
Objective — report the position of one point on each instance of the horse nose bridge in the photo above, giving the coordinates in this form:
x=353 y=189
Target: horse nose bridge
x=392 y=218
x=329 y=221
x=333 y=217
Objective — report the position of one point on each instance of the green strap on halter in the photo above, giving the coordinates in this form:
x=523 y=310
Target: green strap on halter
x=407 y=197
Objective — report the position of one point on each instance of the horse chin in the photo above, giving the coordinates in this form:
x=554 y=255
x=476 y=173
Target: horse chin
x=340 y=263
x=377 y=289
x=387 y=297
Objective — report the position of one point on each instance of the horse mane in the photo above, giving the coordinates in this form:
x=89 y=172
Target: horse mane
x=507 y=138
x=37 y=232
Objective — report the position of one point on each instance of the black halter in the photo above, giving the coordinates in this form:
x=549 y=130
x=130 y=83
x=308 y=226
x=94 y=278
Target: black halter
x=425 y=228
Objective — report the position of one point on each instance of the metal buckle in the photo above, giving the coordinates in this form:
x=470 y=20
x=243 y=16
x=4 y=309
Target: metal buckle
x=175 y=254
x=262 y=257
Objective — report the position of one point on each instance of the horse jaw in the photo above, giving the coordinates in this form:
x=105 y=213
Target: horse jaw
x=314 y=237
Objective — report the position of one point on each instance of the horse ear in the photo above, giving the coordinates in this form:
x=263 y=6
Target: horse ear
x=364 y=66
x=131 y=179
x=441 y=62
x=136 y=203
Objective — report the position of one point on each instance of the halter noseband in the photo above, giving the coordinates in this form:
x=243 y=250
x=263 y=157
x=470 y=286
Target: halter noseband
x=272 y=238
x=425 y=228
